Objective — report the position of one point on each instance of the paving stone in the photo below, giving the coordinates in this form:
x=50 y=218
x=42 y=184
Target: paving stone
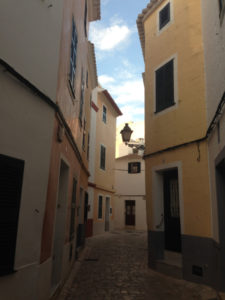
x=114 y=266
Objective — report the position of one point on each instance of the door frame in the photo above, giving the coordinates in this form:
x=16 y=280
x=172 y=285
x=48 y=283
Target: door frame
x=125 y=214
x=60 y=223
x=107 y=212
x=158 y=195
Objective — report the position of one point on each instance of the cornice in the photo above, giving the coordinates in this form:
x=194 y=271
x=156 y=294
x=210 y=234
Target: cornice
x=146 y=12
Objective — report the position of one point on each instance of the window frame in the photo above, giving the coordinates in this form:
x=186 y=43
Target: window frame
x=104 y=114
x=73 y=56
x=160 y=30
x=130 y=165
x=175 y=83
x=73 y=210
x=82 y=95
x=101 y=166
x=100 y=212
x=221 y=10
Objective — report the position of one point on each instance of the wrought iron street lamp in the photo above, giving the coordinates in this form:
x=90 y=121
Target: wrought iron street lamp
x=126 y=133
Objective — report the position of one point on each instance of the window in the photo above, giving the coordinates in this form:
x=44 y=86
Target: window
x=134 y=167
x=84 y=136
x=104 y=114
x=88 y=147
x=85 y=18
x=87 y=79
x=222 y=8
x=11 y=180
x=81 y=98
x=164 y=16
x=73 y=210
x=73 y=55
x=102 y=157
x=100 y=207
x=164 y=78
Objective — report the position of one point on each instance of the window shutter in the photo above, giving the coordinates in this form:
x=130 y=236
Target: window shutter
x=165 y=86
x=164 y=16
x=103 y=155
x=11 y=179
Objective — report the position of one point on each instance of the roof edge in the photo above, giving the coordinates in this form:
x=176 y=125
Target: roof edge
x=112 y=102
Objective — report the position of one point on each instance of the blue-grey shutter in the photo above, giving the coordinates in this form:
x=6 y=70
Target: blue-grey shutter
x=11 y=179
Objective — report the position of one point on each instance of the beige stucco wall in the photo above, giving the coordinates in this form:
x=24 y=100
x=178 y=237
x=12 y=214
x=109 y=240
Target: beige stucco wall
x=214 y=51
x=106 y=136
x=181 y=40
x=130 y=187
x=194 y=193
x=36 y=38
x=183 y=122
x=25 y=137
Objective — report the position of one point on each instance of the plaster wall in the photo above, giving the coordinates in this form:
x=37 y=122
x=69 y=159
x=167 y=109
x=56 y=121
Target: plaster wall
x=106 y=136
x=186 y=120
x=33 y=29
x=214 y=50
x=28 y=137
x=140 y=212
x=126 y=183
x=99 y=224
x=194 y=193
x=67 y=98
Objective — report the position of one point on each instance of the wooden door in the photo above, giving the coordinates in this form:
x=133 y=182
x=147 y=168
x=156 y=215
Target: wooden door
x=172 y=211
x=130 y=212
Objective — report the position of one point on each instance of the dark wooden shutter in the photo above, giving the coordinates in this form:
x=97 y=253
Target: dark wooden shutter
x=165 y=86
x=164 y=16
x=11 y=179
x=100 y=207
x=103 y=153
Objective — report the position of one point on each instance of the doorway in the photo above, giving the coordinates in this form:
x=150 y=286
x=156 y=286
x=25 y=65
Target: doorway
x=130 y=212
x=172 y=211
x=60 y=219
x=107 y=213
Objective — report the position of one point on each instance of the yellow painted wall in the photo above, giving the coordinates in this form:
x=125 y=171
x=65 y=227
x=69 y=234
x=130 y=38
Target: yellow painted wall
x=195 y=187
x=104 y=194
x=183 y=38
x=106 y=135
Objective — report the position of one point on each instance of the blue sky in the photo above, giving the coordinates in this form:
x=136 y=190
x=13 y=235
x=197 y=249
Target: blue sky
x=119 y=57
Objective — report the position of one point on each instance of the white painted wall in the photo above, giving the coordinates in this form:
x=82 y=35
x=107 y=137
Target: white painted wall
x=33 y=28
x=129 y=184
x=28 y=136
x=214 y=50
x=130 y=187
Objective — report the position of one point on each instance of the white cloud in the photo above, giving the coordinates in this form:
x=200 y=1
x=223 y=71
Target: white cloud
x=126 y=92
x=108 y=38
x=105 y=79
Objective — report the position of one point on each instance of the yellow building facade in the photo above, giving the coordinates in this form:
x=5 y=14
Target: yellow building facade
x=102 y=162
x=176 y=154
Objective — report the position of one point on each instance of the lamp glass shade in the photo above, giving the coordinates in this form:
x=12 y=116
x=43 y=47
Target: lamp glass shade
x=126 y=133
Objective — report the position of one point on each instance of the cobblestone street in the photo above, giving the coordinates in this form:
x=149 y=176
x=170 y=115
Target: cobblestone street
x=114 y=266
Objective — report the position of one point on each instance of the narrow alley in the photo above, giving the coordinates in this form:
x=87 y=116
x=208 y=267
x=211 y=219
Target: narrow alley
x=114 y=266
